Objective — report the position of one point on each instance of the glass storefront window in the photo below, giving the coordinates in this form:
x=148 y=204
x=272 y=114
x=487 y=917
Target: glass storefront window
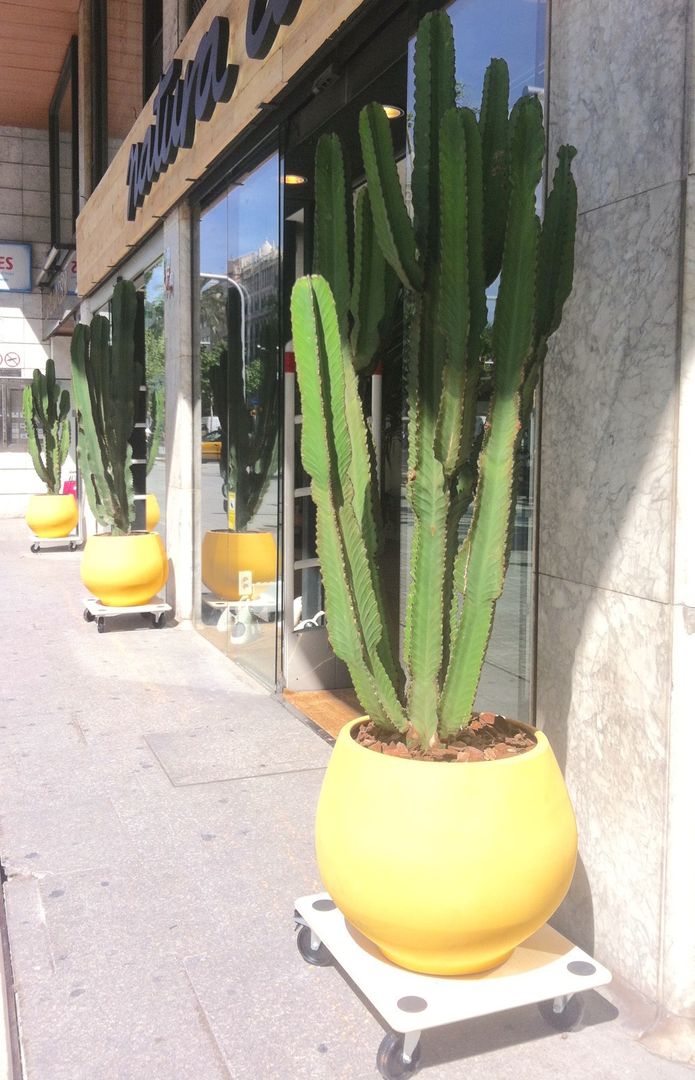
x=240 y=408
x=152 y=285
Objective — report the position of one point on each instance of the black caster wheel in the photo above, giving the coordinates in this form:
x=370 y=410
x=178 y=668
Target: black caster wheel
x=101 y=624
x=389 y=1058
x=157 y=620
x=35 y=548
x=72 y=546
x=569 y=1019
x=87 y=616
x=317 y=957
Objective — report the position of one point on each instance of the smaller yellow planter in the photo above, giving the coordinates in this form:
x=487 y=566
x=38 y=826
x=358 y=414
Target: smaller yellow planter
x=152 y=513
x=226 y=554
x=51 y=516
x=123 y=571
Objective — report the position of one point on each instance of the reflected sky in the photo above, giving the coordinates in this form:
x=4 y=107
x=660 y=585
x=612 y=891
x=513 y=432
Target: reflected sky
x=512 y=29
x=241 y=221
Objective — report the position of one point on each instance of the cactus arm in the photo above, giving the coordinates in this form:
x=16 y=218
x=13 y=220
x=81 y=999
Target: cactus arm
x=333 y=224
x=368 y=302
x=354 y=621
x=125 y=376
x=462 y=306
x=33 y=437
x=480 y=569
x=45 y=408
x=392 y=224
x=106 y=379
x=555 y=269
x=430 y=501
x=494 y=130
x=88 y=451
x=64 y=445
x=435 y=94
x=64 y=430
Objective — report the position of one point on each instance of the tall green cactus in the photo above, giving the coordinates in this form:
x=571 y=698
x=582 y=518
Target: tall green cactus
x=46 y=410
x=474 y=188
x=106 y=376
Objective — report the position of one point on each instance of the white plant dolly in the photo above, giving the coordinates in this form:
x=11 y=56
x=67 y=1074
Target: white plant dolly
x=155 y=611
x=72 y=543
x=546 y=969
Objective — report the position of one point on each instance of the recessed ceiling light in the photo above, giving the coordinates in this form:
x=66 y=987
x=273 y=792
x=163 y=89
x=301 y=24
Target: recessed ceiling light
x=294 y=178
x=393 y=111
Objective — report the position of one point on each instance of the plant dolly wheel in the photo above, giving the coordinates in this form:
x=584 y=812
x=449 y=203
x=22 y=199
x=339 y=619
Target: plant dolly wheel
x=546 y=970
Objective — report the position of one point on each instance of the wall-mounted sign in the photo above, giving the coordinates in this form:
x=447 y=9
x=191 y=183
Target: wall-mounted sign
x=11 y=360
x=63 y=286
x=184 y=98
x=15 y=267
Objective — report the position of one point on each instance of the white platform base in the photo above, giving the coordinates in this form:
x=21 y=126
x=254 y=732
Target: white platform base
x=46 y=543
x=94 y=611
x=544 y=968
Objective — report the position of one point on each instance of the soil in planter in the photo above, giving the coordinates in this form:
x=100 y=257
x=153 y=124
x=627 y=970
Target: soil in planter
x=488 y=737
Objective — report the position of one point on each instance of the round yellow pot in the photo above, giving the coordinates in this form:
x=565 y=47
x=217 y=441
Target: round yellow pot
x=122 y=571
x=51 y=516
x=446 y=867
x=152 y=513
x=224 y=554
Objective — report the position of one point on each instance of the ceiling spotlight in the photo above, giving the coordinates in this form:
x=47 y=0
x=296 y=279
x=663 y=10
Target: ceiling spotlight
x=393 y=112
x=294 y=178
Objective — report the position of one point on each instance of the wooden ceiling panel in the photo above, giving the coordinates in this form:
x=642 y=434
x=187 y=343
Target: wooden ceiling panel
x=34 y=39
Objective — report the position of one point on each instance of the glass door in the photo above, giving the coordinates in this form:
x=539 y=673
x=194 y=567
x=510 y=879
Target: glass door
x=377 y=72
x=239 y=307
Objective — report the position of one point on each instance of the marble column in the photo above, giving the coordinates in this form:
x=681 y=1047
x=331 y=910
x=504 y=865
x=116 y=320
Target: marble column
x=615 y=654
x=178 y=342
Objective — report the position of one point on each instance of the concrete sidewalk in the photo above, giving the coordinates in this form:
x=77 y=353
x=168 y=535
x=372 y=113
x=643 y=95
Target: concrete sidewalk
x=156 y=826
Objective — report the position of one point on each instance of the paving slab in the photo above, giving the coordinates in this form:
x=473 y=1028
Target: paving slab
x=155 y=838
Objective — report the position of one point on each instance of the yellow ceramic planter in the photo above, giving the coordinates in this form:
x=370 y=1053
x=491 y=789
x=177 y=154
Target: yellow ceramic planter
x=122 y=571
x=446 y=867
x=225 y=554
x=51 y=516
x=152 y=513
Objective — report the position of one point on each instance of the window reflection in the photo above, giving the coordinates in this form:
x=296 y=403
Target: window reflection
x=240 y=408
x=153 y=290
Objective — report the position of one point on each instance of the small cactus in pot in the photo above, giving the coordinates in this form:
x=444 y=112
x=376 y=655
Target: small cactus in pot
x=107 y=372
x=46 y=411
x=47 y=420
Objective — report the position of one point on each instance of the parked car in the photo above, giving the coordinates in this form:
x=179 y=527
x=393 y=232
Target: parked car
x=211 y=445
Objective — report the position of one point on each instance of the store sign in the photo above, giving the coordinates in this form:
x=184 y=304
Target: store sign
x=63 y=286
x=15 y=267
x=185 y=97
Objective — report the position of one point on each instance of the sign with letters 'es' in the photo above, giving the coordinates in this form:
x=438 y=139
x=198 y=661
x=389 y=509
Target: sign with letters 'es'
x=15 y=267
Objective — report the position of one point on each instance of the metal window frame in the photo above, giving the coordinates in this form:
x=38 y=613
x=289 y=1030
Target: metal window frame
x=99 y=90
x=68 y=77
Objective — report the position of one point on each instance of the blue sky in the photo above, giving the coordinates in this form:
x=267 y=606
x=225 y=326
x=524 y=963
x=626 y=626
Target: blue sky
x=242 y=220
x=513 y=29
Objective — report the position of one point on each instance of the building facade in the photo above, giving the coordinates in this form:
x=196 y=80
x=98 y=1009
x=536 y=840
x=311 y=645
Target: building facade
x=185 y=162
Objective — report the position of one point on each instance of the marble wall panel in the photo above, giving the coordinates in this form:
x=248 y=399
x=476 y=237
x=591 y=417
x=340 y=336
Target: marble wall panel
x=603 y=700
x=617 y=93
x=609 y=402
